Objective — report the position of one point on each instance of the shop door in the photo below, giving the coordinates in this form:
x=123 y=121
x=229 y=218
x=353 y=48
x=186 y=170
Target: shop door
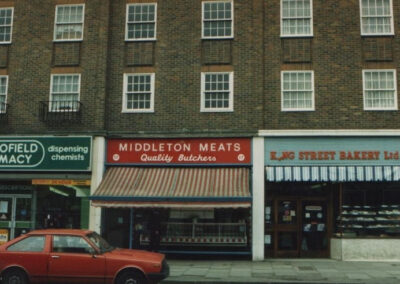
x=314 y=238
x=296 y=228
x=287 y=228
x=15 y=216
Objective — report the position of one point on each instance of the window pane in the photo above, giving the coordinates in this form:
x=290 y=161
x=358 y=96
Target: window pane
x=69 y=22
x=71 y=244
x=217 y=19
x=5 y=24
x=376 y=17
x=65 y=92
x=297 y=90
x=139 y=92
x=33 y=244
x=141 y=21
x=217 y=93
x=379 y=89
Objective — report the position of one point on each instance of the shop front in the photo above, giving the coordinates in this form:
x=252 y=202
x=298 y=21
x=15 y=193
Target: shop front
x=177 y=195
x=335 y=197
x=44 y=183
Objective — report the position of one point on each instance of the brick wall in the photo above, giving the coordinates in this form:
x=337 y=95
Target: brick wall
x=257 y=54
x=338 y=56
x=180 y=56
x=33 y=57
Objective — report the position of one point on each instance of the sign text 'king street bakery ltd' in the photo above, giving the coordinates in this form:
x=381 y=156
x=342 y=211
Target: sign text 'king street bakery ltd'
x=376 y=151
x=45 y=153
x=180 y=151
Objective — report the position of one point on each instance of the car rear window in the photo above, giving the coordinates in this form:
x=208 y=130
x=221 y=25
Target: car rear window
x=31 y=243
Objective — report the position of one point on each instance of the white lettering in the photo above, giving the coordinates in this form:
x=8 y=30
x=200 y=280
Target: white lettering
x=123 y=147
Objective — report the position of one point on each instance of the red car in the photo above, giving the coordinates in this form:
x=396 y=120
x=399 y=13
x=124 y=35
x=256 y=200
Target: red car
x=76 y=256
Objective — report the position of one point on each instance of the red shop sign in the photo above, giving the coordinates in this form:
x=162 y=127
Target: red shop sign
x=179 y=151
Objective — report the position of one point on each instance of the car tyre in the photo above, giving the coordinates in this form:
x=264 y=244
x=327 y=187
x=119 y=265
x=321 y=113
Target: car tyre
x=131 y=277
x=15 y=277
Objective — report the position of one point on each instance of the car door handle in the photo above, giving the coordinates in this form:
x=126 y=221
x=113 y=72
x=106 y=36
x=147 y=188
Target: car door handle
x=55 y=256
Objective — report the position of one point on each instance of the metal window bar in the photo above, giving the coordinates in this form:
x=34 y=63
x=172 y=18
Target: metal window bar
x=57 y=111
x=4 y=113
x=204 y=233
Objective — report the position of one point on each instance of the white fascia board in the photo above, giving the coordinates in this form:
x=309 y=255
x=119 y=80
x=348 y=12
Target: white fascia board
x=330 y=132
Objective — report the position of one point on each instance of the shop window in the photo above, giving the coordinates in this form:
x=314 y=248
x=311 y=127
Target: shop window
x=369 y=210
x=179 y=229
x=62 y=207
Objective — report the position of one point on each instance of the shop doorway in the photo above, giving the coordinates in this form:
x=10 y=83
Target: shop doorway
x=297 y=225
x=15 y=215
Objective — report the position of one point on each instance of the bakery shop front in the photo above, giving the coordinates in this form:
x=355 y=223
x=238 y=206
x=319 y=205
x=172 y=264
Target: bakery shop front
x=187 y=195
x=335 y=197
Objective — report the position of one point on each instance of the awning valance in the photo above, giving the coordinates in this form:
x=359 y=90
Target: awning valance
x=174 y=188
x=333 y=173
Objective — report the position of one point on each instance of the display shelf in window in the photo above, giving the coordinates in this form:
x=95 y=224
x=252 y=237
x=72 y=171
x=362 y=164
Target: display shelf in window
x=383 y=220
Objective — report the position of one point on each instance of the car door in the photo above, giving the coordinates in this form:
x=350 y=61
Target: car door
x=72 y=260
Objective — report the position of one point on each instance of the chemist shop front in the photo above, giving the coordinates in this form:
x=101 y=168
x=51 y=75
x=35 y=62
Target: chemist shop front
x=194 y=192
x=333 y=197
x=44 y=183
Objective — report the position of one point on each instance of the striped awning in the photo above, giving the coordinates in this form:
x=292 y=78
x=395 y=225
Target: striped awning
x=333 y=173
x=174 y=188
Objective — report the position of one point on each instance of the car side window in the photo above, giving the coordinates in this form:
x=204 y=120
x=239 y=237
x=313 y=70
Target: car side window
x=29 y=244
x=71 y=244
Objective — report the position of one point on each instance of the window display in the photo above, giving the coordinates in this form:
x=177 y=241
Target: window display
x=370 y=210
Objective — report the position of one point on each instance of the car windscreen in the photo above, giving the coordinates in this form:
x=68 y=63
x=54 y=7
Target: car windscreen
x=101 y=243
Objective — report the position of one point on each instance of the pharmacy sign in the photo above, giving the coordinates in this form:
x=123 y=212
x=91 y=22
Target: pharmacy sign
x=45 y=153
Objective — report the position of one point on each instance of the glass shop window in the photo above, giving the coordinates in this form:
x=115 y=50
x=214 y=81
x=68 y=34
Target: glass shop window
x=370 y=210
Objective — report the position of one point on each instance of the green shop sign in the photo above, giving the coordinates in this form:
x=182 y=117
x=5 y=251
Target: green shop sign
x=45 y=153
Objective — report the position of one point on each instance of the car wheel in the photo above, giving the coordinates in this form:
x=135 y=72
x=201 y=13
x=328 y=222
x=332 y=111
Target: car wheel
x=130 y=277
x=15 y=277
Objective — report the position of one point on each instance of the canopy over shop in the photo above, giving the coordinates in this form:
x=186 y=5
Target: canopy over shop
x=174 y=188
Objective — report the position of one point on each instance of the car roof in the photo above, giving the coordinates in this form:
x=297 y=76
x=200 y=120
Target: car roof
x=60 y=232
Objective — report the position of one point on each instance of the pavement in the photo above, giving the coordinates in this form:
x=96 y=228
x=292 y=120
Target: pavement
x=291 y=271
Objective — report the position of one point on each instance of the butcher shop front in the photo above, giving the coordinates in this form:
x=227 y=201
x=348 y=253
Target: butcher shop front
x=177 y=195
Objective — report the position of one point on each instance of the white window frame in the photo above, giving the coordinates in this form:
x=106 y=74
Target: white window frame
x=82 y=23
x=311 y=34
x=395 y=106
x=125 y=91
x=312 y=108
x=11 y=24
x=148 y=22
x=204 y=20
x=51 y=92
x=5 y=94
x=377 y=34
x=203 y=90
